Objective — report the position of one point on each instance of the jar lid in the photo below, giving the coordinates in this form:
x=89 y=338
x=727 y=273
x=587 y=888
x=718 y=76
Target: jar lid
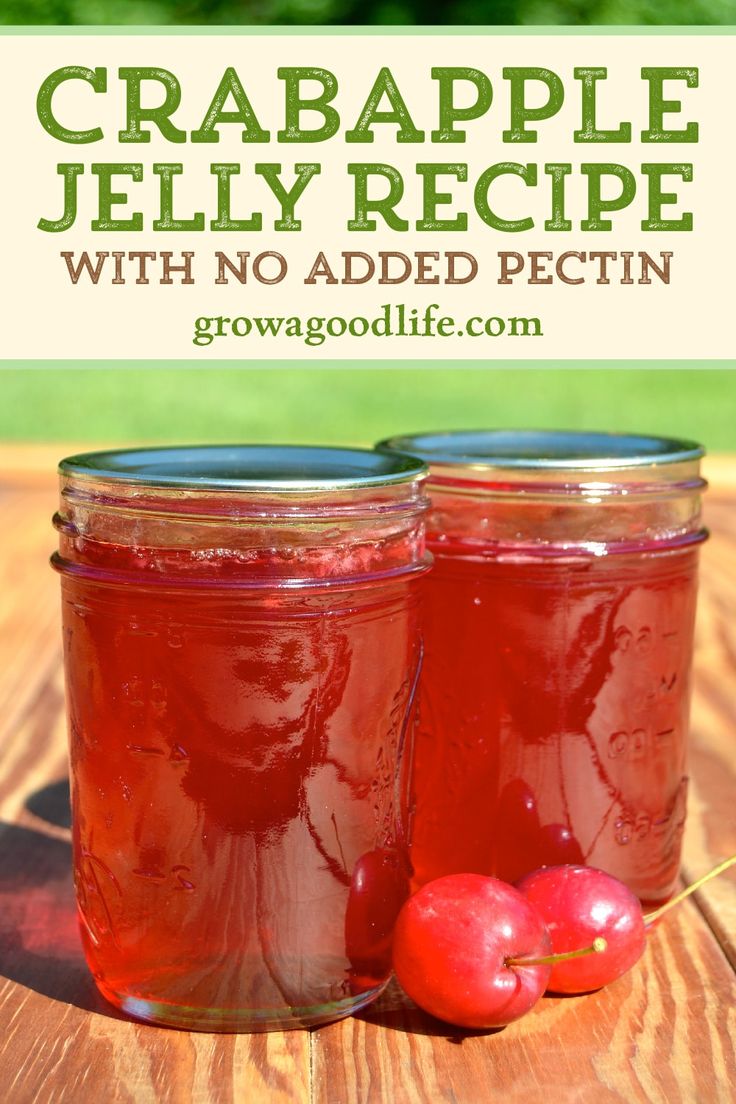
x=543 y=449
x=297 y=468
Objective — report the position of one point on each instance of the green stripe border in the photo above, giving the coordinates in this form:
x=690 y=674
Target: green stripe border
x=312 y=30
x=387 y=363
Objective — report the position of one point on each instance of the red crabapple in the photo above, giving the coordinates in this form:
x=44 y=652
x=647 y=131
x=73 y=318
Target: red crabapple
x=579 y=903
x=455 y=950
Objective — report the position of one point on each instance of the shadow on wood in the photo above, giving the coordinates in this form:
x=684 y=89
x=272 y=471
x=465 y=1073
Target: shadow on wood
x=39 y=940
x=396 y=1012
x=51 y=803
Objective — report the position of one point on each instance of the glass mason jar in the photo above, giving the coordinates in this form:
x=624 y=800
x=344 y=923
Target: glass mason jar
x=558 y=622
x=242 y=645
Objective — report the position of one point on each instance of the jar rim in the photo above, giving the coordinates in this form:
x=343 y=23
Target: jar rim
x=543 y=449
x=251 y=468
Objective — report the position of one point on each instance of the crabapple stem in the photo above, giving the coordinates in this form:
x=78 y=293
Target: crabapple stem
x=597 y=947
x=652 y=916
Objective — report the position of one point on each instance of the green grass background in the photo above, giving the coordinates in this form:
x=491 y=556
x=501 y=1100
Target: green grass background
x=651 y=12
x=339 y=405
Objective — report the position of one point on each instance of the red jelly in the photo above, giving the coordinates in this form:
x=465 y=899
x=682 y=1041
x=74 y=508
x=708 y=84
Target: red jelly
x=242 y=646
x=559 y=621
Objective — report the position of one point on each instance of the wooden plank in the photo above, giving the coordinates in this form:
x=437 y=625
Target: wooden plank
x=70 y=1052
x=29 y=603
x=663 y=1033
x=720 y=470
x=720 y=474
x=34 y=466
x=711 y=829
x=61 y=1041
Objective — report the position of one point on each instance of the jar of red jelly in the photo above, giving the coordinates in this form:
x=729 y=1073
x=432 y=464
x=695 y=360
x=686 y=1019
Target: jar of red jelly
x=242 y=646
x=559 y=618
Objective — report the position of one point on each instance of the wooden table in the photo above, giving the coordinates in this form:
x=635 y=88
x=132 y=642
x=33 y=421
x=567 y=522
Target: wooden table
x=666 y=1032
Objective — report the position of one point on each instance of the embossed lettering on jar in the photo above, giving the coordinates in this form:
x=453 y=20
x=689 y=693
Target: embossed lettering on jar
x=559 y=624
x=242 y=646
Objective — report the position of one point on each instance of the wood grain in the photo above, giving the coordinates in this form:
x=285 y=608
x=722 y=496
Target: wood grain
x=665 y=1033
x=60 y=1040
x=711 y=832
